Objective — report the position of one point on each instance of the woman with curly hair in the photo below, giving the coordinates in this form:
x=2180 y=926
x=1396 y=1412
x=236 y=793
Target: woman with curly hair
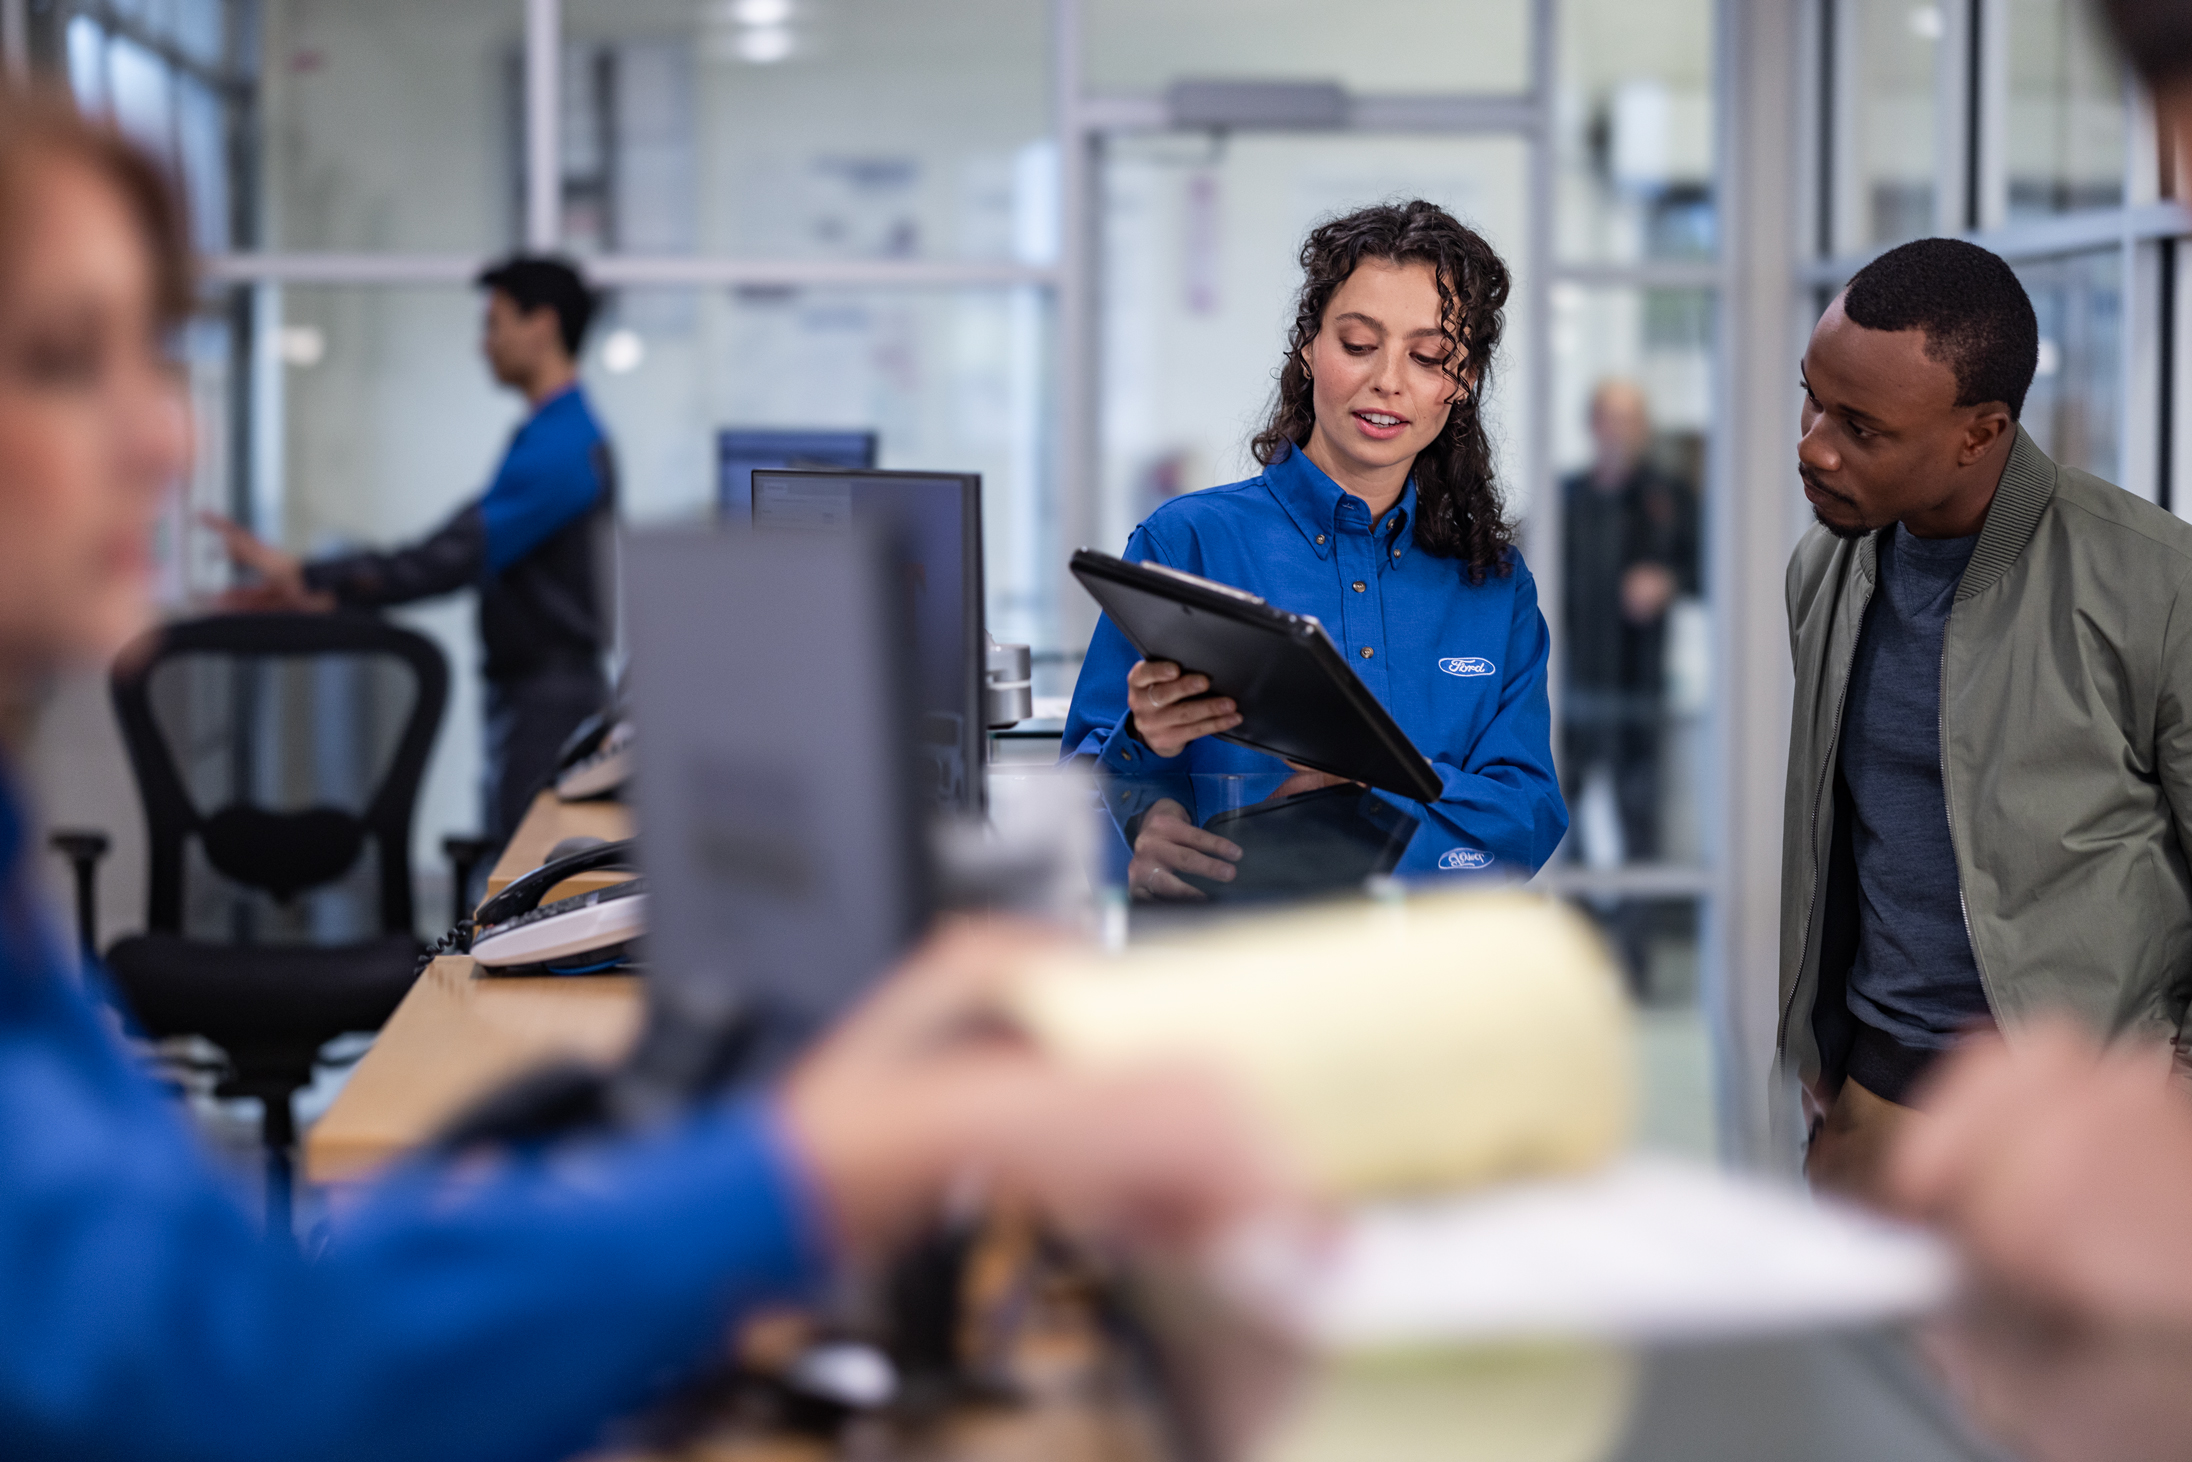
x=1376 y=511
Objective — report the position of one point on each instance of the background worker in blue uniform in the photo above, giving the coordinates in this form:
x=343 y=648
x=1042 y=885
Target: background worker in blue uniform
x=501 y=1310
x=1377 y=513
x=535 y=545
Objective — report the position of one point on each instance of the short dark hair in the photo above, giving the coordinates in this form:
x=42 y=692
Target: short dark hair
x=1977 y=318
x=542 y=281
x=2155 y=36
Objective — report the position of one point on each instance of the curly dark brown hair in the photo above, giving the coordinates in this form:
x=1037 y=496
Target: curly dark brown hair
x=1459 y=513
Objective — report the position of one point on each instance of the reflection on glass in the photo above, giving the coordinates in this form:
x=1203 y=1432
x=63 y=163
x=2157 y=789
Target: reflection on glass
x=1633 y=384
x=1410 y=46
x=1886 y=148
x=2065 y=148
x=394 y=125
x=2074 y=410
x=1635 y=130
x=790 y=129
x=1277 y=844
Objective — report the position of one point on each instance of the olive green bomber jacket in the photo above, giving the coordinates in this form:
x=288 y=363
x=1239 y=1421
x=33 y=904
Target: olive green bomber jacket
x=2066 y=757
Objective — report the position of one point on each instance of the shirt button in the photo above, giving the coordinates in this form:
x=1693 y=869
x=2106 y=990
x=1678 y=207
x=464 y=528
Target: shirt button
x=1367 y=652
x=1320 y=538
x=1360 y=586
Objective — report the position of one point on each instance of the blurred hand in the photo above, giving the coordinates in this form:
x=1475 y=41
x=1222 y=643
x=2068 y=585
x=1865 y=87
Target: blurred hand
x=1169 y=844
x=281 y=586
x=2065 y=1392
x=1646 y=591
x=1170 y=709
x=2063 y=1173
x=926 y=1087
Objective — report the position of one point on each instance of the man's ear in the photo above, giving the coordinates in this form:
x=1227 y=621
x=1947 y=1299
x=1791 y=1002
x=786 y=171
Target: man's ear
x=1988 y=425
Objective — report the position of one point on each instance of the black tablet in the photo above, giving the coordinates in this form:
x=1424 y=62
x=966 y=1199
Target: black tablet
x=1298 y=697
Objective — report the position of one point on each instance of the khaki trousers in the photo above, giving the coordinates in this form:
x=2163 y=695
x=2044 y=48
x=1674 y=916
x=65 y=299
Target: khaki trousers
x=1848 y=1155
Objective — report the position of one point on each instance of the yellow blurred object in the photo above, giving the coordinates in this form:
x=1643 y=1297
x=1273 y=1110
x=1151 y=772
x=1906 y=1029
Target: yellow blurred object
x=1548 y=1404
x=1414 y=1047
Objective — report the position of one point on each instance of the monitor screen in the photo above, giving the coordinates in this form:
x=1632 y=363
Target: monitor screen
x=782 y=843
x=739 y=450
x=936 y=520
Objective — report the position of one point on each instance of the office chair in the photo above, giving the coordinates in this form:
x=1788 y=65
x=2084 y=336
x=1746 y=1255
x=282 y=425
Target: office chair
x=269 y=1006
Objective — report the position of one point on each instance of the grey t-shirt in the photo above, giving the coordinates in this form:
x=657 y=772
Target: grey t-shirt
x=1914 y=976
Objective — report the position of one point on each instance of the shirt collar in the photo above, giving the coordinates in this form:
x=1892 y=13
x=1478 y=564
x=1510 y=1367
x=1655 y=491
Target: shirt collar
x=1314 y=501
x=563 y=397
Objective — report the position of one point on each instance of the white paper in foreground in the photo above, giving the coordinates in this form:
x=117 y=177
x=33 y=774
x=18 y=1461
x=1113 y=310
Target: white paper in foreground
x=1646 y=1249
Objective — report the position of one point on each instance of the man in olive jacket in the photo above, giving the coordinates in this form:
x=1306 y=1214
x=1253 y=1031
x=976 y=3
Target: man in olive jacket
x=1990 y=765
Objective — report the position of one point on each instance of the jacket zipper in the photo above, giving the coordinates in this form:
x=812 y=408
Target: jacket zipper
x=1948 y=805
x=1811 y=898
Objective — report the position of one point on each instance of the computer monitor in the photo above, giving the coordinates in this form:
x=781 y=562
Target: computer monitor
x=936 y=519
x=739 y=450
x=781 y=830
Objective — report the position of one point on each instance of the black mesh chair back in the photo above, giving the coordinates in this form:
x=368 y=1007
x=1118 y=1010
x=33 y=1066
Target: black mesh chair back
x=282 y=852
x=270 y=751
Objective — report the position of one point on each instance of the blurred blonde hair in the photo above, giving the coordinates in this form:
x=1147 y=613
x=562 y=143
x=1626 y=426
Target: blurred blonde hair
x=39 y=125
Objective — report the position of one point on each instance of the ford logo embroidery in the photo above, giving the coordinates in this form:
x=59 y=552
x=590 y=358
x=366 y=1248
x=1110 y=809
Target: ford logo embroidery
x=1456 y=858
x=1468 y=665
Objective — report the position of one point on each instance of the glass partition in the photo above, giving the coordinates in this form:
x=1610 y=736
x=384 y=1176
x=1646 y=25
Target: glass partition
x=1634 y=112
x=948 y=380
x=784 y=129
x=2075 y=408
x=1406 y=46
x=2065 y=145
x=1888 y=146
x=391 y=126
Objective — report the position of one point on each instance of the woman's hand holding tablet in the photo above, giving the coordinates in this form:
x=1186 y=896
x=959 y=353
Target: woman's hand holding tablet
x=1171 y=709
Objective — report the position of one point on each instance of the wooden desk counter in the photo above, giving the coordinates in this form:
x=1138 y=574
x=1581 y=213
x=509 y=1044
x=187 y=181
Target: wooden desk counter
x=548 y=822
x=454 y=1039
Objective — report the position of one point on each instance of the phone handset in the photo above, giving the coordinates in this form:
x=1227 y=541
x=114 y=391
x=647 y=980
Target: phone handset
x=515 y=933
x=596 y=759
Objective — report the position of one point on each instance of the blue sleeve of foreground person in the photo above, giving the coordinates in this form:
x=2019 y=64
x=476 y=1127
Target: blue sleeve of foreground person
x=483 y=1315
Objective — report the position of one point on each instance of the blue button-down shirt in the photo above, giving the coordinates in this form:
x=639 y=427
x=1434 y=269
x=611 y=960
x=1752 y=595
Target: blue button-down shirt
x=1460 y=666
x=498 y=1313
x=550 y=477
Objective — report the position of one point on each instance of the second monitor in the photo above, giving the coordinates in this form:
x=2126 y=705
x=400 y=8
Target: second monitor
x=936 y=520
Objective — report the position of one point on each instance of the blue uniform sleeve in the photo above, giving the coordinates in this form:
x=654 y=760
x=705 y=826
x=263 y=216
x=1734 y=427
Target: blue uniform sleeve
x=1133 y=778
x=550 y=478
x=1501 y=805
x=481 y=1314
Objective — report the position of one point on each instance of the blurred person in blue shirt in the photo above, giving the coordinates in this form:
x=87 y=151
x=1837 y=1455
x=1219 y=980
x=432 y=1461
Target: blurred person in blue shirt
x=535 y=544
x=1376 y=511
x=505 y=1308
